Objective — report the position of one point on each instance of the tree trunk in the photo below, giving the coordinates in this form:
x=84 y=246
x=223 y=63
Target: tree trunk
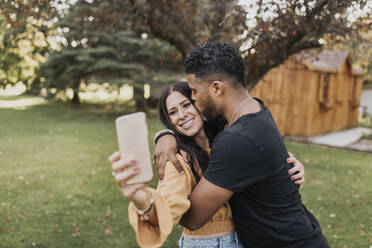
x=141 y=104
x=34 y=87
x=76 y=98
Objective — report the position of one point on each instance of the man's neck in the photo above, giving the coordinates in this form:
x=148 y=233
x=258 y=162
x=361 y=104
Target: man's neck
x=238 y=104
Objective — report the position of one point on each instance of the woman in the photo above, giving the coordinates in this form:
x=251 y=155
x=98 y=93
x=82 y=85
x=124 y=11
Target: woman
x=153 y=213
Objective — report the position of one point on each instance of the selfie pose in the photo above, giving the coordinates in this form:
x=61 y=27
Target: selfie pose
x=154 y=212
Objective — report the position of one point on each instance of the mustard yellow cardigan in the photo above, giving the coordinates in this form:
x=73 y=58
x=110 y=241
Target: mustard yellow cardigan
x=171 y=202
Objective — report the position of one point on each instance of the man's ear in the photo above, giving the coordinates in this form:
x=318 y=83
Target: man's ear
x=217 y=88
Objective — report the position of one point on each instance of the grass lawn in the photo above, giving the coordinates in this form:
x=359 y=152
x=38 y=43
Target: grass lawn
x=56 y=188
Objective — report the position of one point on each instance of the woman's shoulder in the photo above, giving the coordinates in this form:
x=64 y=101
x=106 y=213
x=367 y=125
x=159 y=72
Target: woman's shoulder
x=182 y=158
x=174 y=179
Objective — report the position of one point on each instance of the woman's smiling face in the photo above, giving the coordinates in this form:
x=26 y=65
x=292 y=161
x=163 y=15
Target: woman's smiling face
x=183 y=115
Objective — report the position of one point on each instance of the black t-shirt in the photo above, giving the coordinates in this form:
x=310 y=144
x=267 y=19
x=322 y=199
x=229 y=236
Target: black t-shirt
x=249 y=158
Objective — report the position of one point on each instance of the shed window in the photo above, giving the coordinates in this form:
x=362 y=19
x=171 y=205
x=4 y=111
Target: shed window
x=325 y=86
x=353 y=95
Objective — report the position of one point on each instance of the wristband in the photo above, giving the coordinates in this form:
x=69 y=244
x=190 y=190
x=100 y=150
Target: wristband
x=163 y=132
x=143 y=213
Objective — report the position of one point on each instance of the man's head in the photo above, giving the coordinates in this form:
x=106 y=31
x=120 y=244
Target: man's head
x=212 y=69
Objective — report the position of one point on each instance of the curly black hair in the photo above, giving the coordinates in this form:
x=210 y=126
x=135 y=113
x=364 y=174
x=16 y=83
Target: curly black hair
x=216 y=60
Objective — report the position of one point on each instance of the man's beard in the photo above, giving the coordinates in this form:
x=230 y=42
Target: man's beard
x=209 y=111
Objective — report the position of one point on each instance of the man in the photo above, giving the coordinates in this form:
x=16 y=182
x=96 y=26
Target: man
x=247 y=164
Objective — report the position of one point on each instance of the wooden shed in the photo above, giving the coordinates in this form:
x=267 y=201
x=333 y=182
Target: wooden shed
x=314 y=92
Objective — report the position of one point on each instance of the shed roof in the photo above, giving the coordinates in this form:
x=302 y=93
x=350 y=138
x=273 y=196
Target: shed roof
x=326 y=60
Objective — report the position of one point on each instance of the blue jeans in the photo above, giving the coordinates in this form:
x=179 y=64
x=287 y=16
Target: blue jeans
x=226 y=241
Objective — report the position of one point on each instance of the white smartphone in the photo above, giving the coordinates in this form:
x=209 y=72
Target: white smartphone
x=133 y=143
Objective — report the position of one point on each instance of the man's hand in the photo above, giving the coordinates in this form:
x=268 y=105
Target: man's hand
x=166 y=150
x=205 y=199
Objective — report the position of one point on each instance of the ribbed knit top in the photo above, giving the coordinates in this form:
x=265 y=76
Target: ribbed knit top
x=171 y=202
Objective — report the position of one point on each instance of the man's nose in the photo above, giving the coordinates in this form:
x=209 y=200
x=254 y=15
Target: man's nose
x=193 y=96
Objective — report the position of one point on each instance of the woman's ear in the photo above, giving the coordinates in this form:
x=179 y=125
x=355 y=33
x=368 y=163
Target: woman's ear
x=217 y=88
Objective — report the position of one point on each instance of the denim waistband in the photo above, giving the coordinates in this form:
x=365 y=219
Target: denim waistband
x=224 y=241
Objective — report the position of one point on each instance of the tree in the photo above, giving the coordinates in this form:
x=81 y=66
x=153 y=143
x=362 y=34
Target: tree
x=266 y=32
x=359 y=46
x=96 y=49
x=9 y=57
x=24 y=31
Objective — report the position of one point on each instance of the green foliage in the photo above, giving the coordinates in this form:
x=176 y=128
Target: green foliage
x=95 y=50
x=365 y=120
x=9 y=56
x=367 y=136
x=360 y=49
x=22 y=46
x=266 y=32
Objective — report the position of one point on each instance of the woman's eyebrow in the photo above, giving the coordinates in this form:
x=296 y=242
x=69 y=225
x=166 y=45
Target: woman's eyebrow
x=180 y=104
x=171 y=108
x=184 y=101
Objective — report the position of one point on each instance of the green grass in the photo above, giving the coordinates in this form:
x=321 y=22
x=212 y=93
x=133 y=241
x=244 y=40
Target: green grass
x=56 y=188
x=338 y=192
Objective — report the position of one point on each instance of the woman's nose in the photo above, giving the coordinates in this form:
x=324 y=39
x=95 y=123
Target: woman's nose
x=181 y=114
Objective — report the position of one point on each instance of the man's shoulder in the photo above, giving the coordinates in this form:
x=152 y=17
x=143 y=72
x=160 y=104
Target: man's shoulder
x=231 y=140
x=241 y=131
x=225 y=136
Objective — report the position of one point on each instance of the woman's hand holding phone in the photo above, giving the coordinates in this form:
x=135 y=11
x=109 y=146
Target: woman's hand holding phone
x=122 y=171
